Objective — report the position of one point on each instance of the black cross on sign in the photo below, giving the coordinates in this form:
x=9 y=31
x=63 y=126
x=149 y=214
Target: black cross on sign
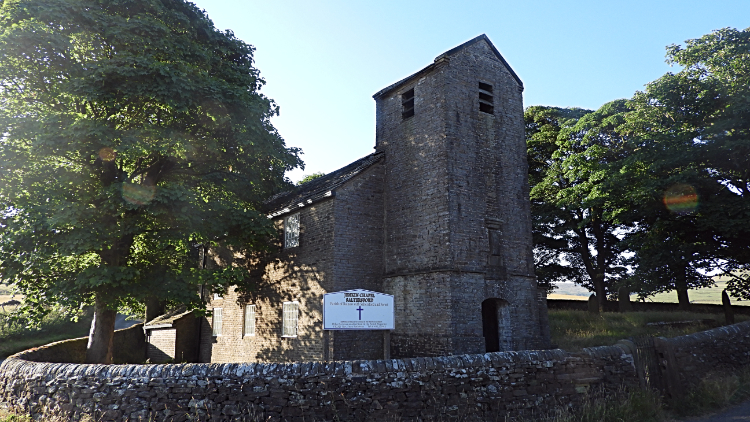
x=360 y=312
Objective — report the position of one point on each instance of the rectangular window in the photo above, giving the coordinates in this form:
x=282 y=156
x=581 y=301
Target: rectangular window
x=496 y=241
x=249 y=320
x=217 y=296
x=216 y=322
x=291 y=231
x=486 y=99
x=407 y=104
x=291 y=313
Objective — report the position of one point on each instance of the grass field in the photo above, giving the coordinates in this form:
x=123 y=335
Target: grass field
x=5 y=296
x=708 y=295
x=573 y=330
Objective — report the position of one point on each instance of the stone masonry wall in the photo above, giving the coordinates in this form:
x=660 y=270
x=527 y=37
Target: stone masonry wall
x=475 y=387
x=458 y=224
x=161 y=345
x=358 y=256
x=489 y=206
x=300 y=274
x=417 y=234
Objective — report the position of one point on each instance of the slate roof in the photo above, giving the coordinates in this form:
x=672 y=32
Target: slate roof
x=317 y=189
x=443 y=57
x=166 y=320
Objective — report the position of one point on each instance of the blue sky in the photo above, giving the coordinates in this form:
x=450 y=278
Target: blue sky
x=323 y=60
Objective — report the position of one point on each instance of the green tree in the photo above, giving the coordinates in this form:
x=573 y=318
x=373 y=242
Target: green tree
x=688 y=178
x=554 y=260
x=132 y=129
x=309 y=177
x=570 y=153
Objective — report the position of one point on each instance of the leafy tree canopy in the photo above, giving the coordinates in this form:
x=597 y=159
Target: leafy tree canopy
x=570 y=153
x=653 y=192
x=132 y=129
x=309 y=177
x=690 y=171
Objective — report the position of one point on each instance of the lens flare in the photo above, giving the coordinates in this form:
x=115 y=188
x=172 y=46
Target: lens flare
x=107 y=154
x=138 y=194
x=681 y=199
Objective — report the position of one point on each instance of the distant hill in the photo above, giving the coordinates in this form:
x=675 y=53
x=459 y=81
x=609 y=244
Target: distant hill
x=708 y=295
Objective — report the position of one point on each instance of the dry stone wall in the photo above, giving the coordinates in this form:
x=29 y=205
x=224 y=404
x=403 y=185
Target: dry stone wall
x=129 y=345
x=693 y=357
x=482 y=387
x=475 y=387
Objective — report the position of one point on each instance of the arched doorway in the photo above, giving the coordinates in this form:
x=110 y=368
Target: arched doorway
x=495 y=325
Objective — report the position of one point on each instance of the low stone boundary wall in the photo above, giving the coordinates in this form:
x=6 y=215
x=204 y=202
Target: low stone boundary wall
x=469 y=387
x=473 y=387
x=690 y=358
x=129 y=345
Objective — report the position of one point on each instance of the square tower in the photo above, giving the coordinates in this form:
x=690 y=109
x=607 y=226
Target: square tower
x=457 y=236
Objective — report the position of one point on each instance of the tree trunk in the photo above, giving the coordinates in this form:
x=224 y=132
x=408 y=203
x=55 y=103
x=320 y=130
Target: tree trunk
x=154 y=308
x=683 y=299
x=594 y=269
x=682 y=288
x=102 y=334
x=728 y=311
x=601 y=291
x=601 y=257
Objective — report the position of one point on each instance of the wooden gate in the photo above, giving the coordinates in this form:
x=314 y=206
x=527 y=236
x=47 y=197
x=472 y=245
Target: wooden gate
x=648 y=363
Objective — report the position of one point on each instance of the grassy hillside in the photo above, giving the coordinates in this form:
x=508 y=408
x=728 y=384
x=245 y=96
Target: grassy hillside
x=573 y=330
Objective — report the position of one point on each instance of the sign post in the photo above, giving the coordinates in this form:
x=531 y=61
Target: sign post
x=360 y=310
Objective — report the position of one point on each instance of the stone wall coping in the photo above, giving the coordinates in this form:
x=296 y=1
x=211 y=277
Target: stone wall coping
x=27 y=354
x=18 y=364
x=22 y=363
x=709 y=335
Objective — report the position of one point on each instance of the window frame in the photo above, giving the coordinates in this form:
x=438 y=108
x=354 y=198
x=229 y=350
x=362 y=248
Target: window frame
x=291 y=237
x=407 y=103
x=214 y=331
x=285 y=319
x=486 y=98
x=245 y=321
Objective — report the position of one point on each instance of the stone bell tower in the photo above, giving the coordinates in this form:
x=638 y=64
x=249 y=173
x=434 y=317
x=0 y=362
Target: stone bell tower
x=457 y=236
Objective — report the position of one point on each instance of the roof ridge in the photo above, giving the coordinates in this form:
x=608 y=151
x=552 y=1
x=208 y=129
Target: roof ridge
x=319 y=188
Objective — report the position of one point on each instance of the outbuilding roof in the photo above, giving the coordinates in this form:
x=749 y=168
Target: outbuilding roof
x=166 y=320
x=444 y=57
x=317 y=189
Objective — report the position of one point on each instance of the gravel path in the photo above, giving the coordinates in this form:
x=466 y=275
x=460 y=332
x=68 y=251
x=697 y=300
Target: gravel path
x=738 y=413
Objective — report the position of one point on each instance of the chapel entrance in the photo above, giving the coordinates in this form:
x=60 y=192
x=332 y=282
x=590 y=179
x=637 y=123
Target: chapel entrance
x=495 y=325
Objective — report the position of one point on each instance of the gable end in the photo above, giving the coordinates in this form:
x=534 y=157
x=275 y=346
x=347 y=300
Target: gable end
x=444 y=59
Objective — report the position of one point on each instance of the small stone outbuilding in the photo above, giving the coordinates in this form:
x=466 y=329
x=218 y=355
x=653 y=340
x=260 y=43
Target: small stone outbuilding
x=438 y=216
x=172 y=337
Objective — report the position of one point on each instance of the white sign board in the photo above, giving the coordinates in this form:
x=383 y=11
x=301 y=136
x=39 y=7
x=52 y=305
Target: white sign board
x=357 y=310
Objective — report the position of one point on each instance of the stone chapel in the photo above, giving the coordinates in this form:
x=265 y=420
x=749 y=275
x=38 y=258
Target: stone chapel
x=437 y=216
